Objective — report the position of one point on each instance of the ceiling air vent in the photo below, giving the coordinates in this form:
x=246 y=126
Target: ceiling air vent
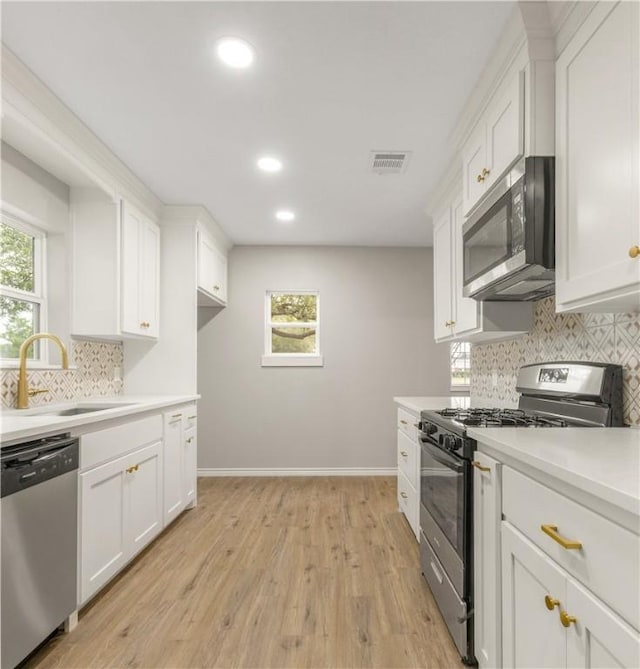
x=389 y=162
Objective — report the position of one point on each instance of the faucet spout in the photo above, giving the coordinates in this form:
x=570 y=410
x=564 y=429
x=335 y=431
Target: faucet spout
x=23 y=386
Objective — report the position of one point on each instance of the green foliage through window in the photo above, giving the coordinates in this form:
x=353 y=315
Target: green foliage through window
x=20 y=306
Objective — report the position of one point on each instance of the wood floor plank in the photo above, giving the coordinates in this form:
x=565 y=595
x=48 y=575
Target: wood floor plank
x=269 y=573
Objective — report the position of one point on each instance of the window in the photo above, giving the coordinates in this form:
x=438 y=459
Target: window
x=22 y=302
x=460 y=365
x=292 y=329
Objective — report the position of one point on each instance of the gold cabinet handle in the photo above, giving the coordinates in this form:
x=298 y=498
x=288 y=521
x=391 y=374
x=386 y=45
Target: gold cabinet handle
x=177 y=415
x=485 y=172
x=404 y=495
x=550 y=602
x=482 y=468
x=552 y=531
x=479 y=178
x=634 y=251
x=145 y=324
x=191 y=417
x=216 y=288
x=404 y=422
x=132 y=469
x=566 y=619
x=189 y=440
x=404 y=454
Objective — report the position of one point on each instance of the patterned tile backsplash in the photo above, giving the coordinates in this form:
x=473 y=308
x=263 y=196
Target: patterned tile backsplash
x=611 y=338
x=95 y=364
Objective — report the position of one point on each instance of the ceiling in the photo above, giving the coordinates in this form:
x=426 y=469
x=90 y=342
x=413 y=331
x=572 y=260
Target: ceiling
x=331 y=82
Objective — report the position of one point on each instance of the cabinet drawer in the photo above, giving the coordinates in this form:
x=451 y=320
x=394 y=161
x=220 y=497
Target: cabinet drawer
x=408 y=501
x=408 y=423
x=606 y=563
x=408 y=458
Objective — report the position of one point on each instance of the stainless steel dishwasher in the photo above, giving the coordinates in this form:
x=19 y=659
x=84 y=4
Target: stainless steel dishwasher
x=39 y=542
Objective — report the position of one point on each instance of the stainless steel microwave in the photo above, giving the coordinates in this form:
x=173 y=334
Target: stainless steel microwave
x=509 y=243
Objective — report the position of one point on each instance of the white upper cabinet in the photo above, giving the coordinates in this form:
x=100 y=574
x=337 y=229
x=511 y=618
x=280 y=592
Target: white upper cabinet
x=598 y=161
x=140 y=273
x=116 y=268
x=459 y=318
x=212 y=271
x=495 y=144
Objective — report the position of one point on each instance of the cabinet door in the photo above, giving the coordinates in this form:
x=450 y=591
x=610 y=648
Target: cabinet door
x=486 y=560
x=597 y=163
x=442 y=259
x=220 y=276
x=149 y=281
x=466 y=312
x=190 y=465
x=532 y=635
x=474 y=158
x=599 y=639
x=206 y=262
x=103 y=536
x=505 y=131
x=130 y=270
x=173 y=465
x=144 y=495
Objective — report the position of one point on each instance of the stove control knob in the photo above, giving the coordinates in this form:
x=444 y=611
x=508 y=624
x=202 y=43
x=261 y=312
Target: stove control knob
x=429 y=428
x=450 y=442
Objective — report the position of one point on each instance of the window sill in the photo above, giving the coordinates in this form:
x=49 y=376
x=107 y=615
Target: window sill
x=292 y=361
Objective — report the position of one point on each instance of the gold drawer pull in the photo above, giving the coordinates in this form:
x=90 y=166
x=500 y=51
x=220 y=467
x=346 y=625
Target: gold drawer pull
x=552 y=531
x=485 y=172
x=550 y=602
x=189 y=440
x=177 y=415
x=404 y=422
x=479 y=178
x=191 y=417
x=482 y=468
x=634 y=251
x=566 y=619
x=404 y=454
x=132 y=469
x=404 y=495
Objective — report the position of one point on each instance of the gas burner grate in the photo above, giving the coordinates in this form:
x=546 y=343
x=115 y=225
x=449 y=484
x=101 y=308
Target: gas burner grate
x=493 y=417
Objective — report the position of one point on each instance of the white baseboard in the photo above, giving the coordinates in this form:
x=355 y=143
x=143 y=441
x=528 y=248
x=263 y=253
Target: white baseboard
x=313 y=471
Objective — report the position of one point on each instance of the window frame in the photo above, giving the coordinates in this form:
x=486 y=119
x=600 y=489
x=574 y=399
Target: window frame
x=459 y=387
x=39 y=294
x=271 y=359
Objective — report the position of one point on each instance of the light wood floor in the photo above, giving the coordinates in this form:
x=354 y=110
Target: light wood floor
x=269 y=572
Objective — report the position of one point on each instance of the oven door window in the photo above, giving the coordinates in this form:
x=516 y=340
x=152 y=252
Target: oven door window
x=488 y=243
x=442 y=493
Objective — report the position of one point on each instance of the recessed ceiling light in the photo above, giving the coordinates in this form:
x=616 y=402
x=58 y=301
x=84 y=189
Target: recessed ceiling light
x=269 y=164
x=285 y=215
x=235 y=52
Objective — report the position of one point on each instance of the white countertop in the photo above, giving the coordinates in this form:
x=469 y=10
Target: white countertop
x=23 y=424
x=418 y=404
x=604 y=462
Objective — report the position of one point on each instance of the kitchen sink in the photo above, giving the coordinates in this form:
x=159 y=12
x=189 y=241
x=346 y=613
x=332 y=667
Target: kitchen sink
x=77 y=410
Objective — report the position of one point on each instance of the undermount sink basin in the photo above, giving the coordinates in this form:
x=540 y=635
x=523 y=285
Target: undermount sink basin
x=78 y=410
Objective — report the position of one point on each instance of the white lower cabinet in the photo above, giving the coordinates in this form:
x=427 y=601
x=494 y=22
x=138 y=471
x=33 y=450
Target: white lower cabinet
x=121 y=511
x=555 y=582
x=180 y=460
x=135 y=478
x=408 y=453
x=486 y=560
x=550 y=620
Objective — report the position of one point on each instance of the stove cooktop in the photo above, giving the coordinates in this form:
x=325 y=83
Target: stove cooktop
x=501 y=418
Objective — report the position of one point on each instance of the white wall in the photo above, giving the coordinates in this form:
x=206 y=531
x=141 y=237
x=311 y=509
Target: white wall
x=37 y=197
x=377 y=342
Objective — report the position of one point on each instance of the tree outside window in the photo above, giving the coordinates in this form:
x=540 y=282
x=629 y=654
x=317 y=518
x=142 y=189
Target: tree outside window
x=292 y=327
x=21 y=287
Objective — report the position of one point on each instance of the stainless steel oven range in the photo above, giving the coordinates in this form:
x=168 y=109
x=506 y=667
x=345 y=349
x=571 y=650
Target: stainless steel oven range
x=554 y=394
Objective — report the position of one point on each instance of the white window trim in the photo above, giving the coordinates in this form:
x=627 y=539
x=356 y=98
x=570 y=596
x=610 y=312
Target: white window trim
x=270 y=359
x=460 y=387
x=39 y=295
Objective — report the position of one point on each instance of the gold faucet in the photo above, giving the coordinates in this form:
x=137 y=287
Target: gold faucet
x=23 y=385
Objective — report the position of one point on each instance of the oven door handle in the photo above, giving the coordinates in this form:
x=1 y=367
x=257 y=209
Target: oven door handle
x=449 y=463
